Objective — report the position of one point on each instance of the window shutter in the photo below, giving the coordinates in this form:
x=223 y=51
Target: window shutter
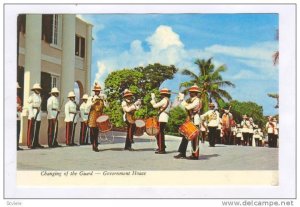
x=47 y=27
x=82 y=53
x=21 y=23
x=46 y=88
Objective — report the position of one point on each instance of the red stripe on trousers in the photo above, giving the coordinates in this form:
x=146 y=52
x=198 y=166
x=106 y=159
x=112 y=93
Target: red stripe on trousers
x=29 y=133
x=67 y=133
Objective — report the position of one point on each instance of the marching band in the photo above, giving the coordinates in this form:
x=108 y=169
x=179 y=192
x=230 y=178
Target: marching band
x=93 y=120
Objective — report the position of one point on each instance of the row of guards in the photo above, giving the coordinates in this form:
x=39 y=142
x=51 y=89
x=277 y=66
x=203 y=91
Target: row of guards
x=93 y=120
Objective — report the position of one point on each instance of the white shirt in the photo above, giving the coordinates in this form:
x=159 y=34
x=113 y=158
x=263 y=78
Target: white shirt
x=52 y=103
x=238 y=132
x=213 y=118
x=276 y=128
x=128 y=108
x=84 y=111
x=195 y=102
x=34 y=102
x=270 y=128
x=245 y=124
x=70 y=111
x=163 y=117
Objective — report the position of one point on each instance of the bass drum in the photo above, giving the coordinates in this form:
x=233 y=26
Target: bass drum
x=189 y=130
x=103 y=123
x=152 y=126
x=139 y=127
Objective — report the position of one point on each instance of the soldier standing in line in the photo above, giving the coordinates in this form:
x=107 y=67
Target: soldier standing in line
x=129 y=107
x=70 y=119
x=163 y=117
x=34 y=117
x=84 y=112
x=276 y=132
x=213 y=118
x=19 y=111
x=239 y=136
x=270 y=130
x=193 y=105
x=245 y=124
x=53 y=111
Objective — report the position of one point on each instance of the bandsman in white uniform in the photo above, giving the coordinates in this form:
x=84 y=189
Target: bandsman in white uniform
x=256 y=136
x=252 y=126
x=129 y=107
x=239 y=135
x=212 y=117
x=164 y=107
x=70 y=119
x=34 y=117
x=193 y=106
x=53 y=112
x=19 y=111
x=276 y=132
x=271 y=127
x=245 y=124
x=84 y=113
x=203 y=130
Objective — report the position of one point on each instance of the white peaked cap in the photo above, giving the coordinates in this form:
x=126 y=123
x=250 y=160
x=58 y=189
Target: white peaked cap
x=71 y=94
x=54 y=90
x=36 y=86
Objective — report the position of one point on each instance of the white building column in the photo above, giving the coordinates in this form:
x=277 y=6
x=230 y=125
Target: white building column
x=89 y=40
x=32 y=73
x=68 y=55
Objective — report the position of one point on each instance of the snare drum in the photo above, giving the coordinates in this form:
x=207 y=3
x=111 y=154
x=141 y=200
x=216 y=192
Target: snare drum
x=139 y=127
x=189 y=130
x=152 y=126
x=103 y=123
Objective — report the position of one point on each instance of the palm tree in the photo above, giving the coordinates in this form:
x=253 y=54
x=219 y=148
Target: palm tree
x=275 y=56
x=210 y=82
x=276 y=96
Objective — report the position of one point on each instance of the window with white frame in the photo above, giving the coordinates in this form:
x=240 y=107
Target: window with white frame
x=57 y=30
x=55 y=81
x=79 y=46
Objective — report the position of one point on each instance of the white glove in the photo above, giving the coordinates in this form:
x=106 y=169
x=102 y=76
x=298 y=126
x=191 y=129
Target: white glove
x=152 y=96
x=180 y=96
x=102 y=96
x=138 y=102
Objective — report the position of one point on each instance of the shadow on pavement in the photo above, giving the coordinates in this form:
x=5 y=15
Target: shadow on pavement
x=207 y=157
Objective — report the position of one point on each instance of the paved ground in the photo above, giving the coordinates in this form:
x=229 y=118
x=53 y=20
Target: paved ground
x=113 y=157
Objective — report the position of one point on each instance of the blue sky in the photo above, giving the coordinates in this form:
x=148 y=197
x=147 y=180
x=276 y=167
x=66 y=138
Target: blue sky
x=243 y=42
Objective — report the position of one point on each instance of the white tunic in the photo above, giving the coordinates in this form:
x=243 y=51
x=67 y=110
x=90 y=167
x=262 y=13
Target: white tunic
x=70 y=111
x=84 y=112
x=195 y=102
x=34 y=103
x=213 y=118
x=163 y=117
x=52 y=107
x=239 y=132
x=245 y=124
x=128 y=108
x=270 y=128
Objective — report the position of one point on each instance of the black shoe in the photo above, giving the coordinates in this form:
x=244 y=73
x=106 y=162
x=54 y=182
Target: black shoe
x=32 y=147
x=40 y=146
x=192 y=157
x=156 y=150
x=19 y=148
x=160 y=152
x=74 y=144
x=180 y=156
x=96 y=150
x=57 y=145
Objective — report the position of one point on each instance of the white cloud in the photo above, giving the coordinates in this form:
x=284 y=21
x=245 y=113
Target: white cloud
x=167 y=48
x=163 y=38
